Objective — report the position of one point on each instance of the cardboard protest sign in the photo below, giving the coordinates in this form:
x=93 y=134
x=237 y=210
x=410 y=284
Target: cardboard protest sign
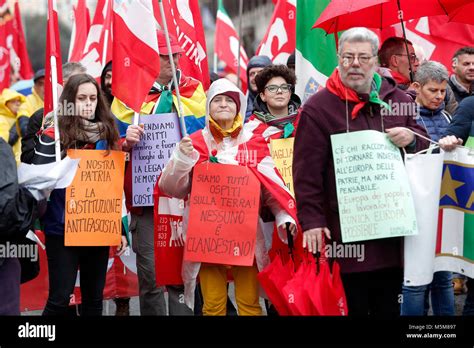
x=223 y=215
x=373 y=191
x=93 y=211
x=151 y=154
x=282 y=154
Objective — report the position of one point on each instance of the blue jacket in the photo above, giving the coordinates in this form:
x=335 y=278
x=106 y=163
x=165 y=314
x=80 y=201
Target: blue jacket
x=434 y=121
x=463 y=120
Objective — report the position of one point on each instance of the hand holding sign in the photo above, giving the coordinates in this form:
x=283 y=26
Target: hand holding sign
x=134 y=133
x=186 y=146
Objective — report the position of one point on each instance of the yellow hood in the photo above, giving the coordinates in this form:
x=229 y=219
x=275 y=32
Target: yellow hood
x=5 y=97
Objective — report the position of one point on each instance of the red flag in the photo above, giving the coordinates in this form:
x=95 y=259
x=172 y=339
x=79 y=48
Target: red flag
x=98 y=47
x=135 y=51
x=53 y=49
x=16 y=44
x=184 y=21
x=5 y=17
x=279 y=41
x=227 y=45
x=80 y=30
x=430 y=33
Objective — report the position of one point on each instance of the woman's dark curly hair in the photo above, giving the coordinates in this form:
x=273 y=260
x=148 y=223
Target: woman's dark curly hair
x=271 y=71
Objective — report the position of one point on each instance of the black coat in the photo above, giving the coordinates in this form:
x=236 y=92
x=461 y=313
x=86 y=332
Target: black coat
x=17 y=205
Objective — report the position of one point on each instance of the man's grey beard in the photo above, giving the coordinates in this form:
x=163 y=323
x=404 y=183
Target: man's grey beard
x=359 y=88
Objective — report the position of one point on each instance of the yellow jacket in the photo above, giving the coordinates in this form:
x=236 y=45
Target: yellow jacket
x=8 y=119
x=32 y=104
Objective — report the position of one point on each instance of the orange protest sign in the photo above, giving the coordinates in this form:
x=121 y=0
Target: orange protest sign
x=93 y=211
x=223 y=215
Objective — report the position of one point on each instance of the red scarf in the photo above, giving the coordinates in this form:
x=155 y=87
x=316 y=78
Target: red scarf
x=399 y=78
x=335 y=86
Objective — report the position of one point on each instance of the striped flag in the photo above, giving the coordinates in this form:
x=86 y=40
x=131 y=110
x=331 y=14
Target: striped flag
x=315 y=51
x=227 y=45
x=135 y=51
x=455 y=241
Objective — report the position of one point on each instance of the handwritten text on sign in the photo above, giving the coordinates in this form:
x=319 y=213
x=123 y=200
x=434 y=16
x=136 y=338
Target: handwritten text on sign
x=93 y=211
x=282 y=154
x=373 y=191
x=151 y=154
x=223 y=215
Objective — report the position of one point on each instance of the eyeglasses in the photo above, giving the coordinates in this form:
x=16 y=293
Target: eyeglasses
x=285 y=88
x=350 y=59
x=413 y=57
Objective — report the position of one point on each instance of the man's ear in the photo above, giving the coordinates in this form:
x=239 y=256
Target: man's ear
x=454 y=63
x=416 y=86
x=394 y=61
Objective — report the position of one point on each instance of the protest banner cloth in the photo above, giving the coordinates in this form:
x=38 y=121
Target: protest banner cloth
x=282 y=154
x=424 y=174
x=93 y=211
x=455 y=239
x=223 y=215
x=373 y=191
x=150 y=155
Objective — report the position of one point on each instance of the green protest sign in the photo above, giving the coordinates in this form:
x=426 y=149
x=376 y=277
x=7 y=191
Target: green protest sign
x=373 y=191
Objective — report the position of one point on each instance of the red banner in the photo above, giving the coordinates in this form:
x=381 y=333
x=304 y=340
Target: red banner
x=223 y=216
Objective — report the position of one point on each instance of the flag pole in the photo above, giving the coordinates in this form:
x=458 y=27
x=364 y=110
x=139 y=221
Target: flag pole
x=104 y=50
x=54 y=83
x=106 y=38
x=215 y=60
x=184 y=133
x=239 y=82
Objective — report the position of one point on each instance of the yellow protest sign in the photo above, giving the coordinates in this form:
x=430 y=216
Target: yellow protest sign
x=93 y=211
x=282 y=154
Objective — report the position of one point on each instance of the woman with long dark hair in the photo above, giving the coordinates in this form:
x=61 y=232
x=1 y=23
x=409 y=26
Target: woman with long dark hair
x=84 y=122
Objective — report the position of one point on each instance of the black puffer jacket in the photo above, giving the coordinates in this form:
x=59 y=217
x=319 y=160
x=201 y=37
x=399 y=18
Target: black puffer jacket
x=17 y=205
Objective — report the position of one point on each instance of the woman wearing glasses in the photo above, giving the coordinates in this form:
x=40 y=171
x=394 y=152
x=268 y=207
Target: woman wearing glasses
x=276 y=107
x=275 y=116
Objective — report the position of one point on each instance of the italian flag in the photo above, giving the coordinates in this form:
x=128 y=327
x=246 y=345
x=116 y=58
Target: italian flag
x=226 y=44
x=455 y=240
x=315 y=51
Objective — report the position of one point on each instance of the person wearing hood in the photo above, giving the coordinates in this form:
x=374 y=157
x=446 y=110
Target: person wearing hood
x=106 y=82
x=355 y=99
x=222 y=140
x=10 y=103
x=255 y=65
x=430 y=84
